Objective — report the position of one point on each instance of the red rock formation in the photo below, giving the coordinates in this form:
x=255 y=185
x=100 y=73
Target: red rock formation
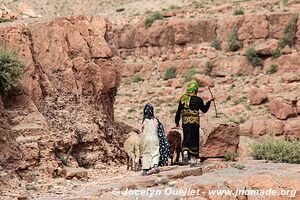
x=223 y=138
x=281 y=110
x=67 y=96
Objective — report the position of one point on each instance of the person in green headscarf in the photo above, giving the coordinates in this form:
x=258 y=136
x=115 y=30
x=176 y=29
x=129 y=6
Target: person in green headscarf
x=188 y=110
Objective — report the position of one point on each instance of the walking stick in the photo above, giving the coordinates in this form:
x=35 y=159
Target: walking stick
x=213 y=101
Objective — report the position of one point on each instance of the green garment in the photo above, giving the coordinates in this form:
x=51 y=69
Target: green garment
x=192 y=90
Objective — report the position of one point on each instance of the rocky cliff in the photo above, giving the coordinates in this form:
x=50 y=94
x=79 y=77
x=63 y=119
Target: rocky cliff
x=62 y=112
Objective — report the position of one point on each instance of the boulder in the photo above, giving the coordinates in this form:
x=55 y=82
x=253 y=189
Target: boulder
x=176 y=83
x=232 y=65
x=267 y=48
x=259 y=127
x=25 y=9
x=246 y=128
x=292 y=128
x=274 y=127
x=79 y=173
x=280 y=110
x=289 y=63
x=289 y=77
x=204 y=80
x=223 y=138
x=257 y=96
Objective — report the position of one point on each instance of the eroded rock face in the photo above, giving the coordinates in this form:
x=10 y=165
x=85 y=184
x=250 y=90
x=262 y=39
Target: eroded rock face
x=66 y=98
x=223 y=138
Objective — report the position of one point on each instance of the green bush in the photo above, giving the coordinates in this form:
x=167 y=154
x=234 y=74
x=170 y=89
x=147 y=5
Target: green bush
x=11 y=69
x=155 y=16
x=276 y=150
x=5 y=20
x=208 y=67
x=170 y=73
x=190 y=73
x=243 y=99
x=273 y=69
x=289 y=33
x=239 y=120
x=276 y=53
x=238 y=11
x=253 y=57
x=233 y=43
x=131 y=80
x=216 y=43
x=239 y=166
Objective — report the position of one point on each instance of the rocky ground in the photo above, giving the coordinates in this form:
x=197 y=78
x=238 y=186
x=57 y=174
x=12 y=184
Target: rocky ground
x=111 y=182
x=65 y=111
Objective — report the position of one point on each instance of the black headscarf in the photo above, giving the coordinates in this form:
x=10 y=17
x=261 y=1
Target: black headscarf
x=164 y=147
x=148 y=112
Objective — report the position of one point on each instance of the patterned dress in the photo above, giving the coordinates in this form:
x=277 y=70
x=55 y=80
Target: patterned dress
x=164 y=146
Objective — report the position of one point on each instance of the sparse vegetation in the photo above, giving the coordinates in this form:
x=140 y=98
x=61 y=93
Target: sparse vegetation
x=239 y=120
x=170 y=73
x=174 y=7
x=2 y=20
x=155 y=16
x=285 y=2
x=228 y=98
x=233 y=43
x=253 y=57
x=239 y=166
x=238 y=11
x=197 y=4
x=62 y=158
x=230 y=156
x=276 y=150
x=131 y=110
x=11 y=69
x=240 y=100
x=131 y=80
x=190 y=73
x=120 y=9
x=216 y=43
x=273 y=68
x=208 y=67
x=30 y=188
x=276 y=53
x=289 y=33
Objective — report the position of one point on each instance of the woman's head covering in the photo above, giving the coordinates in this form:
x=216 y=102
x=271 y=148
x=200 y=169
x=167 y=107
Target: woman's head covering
x=148 y=112
x=192 y=90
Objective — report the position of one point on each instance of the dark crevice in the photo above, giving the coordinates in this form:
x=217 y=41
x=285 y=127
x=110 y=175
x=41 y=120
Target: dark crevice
x=38 y=69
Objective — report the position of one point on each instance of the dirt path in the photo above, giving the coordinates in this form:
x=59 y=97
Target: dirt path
x=118 y=183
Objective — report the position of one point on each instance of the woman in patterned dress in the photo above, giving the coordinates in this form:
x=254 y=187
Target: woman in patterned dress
x=155 y=147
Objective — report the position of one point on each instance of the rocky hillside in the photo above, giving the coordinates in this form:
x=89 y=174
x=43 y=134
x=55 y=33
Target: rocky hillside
x=62 y=113
x=84 y=73
x=255 y=85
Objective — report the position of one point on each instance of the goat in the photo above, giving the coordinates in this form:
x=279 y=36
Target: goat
x=175 y=141
x=132 y=148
